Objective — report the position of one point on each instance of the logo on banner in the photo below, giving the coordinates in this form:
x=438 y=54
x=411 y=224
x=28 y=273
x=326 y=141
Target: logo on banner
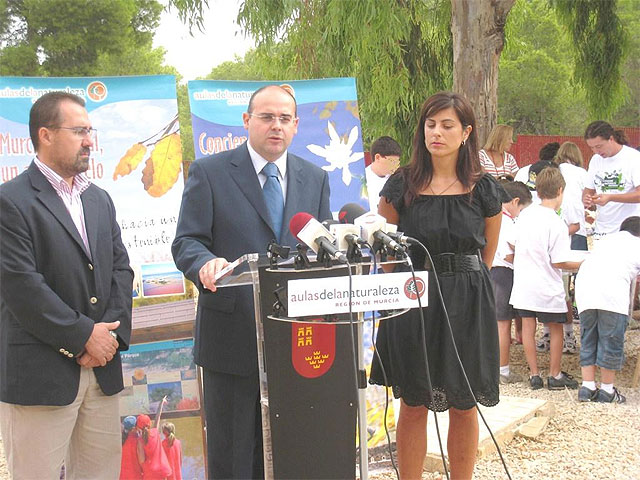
x=416 y=289
x=313 y=348
x=97 y=91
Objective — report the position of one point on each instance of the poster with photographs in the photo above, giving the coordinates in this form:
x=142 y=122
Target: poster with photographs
x=153 y=371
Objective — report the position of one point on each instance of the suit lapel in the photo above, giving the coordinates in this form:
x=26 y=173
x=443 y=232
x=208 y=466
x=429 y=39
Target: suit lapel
x=244 y=175
x=91 y=220
x=52 y=202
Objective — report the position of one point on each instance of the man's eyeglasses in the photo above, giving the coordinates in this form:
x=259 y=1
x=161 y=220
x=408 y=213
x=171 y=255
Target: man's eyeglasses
x=82 y=132
x=270 y=117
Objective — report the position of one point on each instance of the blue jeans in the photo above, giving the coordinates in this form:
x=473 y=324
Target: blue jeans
x=602 y=340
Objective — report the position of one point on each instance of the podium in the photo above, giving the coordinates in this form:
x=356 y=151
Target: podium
x=312 y=382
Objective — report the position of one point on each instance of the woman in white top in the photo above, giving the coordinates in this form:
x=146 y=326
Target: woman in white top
x=494 y=157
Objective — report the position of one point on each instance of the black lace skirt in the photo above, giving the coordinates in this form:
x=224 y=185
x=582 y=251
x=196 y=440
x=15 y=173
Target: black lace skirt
x=470 y=306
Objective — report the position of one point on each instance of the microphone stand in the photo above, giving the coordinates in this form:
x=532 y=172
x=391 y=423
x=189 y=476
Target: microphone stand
x=301 y=260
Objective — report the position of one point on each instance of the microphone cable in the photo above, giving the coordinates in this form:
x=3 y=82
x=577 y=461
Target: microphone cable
x=354 y=354
x=455 y=349
x=384 y=377
x=426 y=360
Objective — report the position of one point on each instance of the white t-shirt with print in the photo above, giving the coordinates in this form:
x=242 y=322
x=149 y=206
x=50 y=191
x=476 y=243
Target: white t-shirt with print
x=572 y=206
x=541 y=239
x=604 y=279
x=614 y=175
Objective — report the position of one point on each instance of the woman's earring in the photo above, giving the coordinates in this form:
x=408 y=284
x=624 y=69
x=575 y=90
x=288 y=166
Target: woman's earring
x=463 y=140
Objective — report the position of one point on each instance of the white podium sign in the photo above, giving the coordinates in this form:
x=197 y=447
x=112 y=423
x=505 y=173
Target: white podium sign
x=320 y=296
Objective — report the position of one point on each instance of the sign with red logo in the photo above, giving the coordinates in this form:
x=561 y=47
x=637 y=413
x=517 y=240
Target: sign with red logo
x=97 y=91
x=416 y=289
x=313 y=348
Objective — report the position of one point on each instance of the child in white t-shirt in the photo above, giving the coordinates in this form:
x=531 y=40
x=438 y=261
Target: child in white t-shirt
x=603 y=287
x=542 y=248
x=502 y=273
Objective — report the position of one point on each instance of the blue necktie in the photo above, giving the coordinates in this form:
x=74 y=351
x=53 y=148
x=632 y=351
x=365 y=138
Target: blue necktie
x=273 y=197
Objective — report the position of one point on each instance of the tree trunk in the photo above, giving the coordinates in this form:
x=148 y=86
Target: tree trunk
x=478 y=38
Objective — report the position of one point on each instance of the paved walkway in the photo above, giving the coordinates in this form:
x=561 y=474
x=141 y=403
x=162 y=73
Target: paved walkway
x=503 y=419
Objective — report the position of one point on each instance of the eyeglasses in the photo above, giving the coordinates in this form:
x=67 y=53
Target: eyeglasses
x=270 y=117
x=82 y=132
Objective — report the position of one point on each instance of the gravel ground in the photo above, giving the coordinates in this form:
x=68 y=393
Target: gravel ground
x=581 y=441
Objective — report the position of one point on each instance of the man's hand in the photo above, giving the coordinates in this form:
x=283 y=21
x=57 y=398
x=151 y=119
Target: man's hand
x=101 y=344
x=87 y=361
x=600 y=199
x=209 y=271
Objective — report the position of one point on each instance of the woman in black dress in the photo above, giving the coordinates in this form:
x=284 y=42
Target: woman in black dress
x=443 y=199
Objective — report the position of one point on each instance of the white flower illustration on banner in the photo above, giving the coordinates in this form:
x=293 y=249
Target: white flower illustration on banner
x=338 y=154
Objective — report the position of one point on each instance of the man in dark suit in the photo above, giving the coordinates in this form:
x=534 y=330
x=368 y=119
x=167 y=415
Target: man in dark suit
x=65 y=305
x=225 y=213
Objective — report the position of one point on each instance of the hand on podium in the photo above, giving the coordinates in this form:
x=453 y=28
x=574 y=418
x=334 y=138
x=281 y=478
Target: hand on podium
x=209 y=271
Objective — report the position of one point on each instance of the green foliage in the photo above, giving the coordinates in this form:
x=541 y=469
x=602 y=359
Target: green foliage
x=629 y=113
x=599 y=41
x=536 y=94
x=399 y=52
x=73 y=37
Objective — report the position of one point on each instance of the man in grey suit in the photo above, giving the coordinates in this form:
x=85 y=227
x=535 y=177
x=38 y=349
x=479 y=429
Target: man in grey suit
x=227 y=211
x=65 y=305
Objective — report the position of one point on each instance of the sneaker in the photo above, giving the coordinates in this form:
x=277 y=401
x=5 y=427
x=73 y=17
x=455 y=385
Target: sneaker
x=542 y=345
x=536 y=382
x=511 y=378
x=587 y=395
x=569 y=343
x=565 y=380
x=615 y=397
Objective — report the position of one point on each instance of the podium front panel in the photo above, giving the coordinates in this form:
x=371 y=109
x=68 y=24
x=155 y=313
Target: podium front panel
x=312 y=387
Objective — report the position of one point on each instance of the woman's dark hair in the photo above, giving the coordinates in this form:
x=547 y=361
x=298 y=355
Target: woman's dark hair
x=631 y=225
x=419 y=173
x=604 y=130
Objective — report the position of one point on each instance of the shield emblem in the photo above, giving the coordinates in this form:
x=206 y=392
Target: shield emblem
x=313 y=348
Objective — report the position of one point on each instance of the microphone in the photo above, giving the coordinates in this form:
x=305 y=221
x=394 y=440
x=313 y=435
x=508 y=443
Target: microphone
x=310 y=231
x=349 y=212
x=372 y=227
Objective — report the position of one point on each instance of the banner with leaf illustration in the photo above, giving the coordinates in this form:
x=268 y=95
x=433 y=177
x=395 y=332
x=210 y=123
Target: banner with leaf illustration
x=137 y=158
x=329 y=132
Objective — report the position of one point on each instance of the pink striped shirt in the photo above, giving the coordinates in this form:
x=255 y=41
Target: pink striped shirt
x=70 y=197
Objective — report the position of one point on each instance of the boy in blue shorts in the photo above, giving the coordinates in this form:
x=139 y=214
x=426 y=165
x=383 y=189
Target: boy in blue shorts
x=542 y=249
x=602 y=289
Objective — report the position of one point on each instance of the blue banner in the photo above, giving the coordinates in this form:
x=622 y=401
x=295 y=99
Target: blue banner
x=329 y=132
x=137 y=158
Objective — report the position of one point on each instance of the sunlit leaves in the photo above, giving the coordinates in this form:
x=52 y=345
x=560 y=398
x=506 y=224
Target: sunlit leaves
x=162 y=168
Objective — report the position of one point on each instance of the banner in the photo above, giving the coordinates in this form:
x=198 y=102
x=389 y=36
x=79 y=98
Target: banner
x=137 y=158
x=321 y=296
x=329 y=132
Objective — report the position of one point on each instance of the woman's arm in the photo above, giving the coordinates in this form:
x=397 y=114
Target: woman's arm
x=491 y=233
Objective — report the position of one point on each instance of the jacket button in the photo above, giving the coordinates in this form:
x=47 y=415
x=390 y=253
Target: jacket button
x=61 y=350
x=90 y=266
x=93 y=300
x=70 y=355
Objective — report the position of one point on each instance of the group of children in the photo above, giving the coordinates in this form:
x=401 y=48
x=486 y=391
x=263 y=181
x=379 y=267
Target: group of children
x=527 y=273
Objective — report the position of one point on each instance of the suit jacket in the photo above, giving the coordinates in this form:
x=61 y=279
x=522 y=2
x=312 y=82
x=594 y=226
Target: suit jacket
x=223 y=214
x=52 y=292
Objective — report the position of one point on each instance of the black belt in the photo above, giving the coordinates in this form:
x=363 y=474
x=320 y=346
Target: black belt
x=450 y=263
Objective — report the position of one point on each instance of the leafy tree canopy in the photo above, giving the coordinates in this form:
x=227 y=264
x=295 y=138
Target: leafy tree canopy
x=63 y=37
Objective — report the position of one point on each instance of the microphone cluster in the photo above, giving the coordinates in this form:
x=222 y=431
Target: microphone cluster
x=343 y=240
